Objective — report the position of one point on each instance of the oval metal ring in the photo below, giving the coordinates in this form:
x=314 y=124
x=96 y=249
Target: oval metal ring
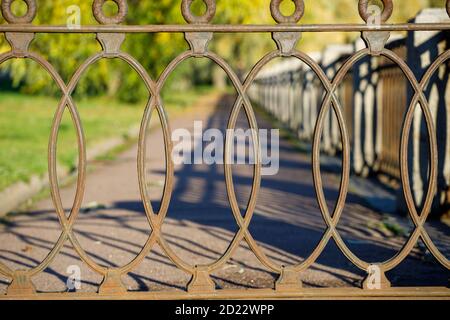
x=281 y=18
x=448 y=7
x=385 y=14
x=85 y=257
x=241 y=222
x=99 y=15
x=12 y=18
x=191 y=18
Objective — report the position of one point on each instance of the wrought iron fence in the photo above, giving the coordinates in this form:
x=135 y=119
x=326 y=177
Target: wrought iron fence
x=199 y=32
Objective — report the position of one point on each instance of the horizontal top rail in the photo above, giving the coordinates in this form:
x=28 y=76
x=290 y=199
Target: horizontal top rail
x=221 y=28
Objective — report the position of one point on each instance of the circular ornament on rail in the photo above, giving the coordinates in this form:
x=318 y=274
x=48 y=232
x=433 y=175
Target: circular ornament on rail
x=364 y=12
x=99 y=15
x=448 y=7
x=12 y=18
x=281 y=18
x=192 y=18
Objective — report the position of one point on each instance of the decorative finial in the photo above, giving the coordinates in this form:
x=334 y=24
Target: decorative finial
x=287 y=41
x=376 y=40
x=191 y=18
x=363 y=7
x=99 y=15
x=280 y=18
x=12 y=18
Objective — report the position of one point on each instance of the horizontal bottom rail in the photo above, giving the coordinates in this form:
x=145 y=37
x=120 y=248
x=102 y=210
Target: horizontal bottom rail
x=304 y=294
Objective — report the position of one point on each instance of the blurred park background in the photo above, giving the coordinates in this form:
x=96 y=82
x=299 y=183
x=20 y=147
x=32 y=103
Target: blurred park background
x=111 y=96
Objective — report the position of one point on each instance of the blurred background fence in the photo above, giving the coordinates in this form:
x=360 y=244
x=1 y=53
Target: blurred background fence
x=374 y=97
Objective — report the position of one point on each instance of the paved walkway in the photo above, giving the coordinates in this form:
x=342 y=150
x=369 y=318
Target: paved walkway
x=199 y=226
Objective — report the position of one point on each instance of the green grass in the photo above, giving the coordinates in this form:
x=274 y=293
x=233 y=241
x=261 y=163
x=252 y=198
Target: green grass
x=25 y=124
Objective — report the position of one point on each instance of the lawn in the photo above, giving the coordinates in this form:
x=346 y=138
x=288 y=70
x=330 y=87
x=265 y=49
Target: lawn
x=25 y=124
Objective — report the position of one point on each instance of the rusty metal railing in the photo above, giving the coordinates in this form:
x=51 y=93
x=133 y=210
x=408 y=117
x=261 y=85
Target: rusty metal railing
x=198 y=33
x=375 y=94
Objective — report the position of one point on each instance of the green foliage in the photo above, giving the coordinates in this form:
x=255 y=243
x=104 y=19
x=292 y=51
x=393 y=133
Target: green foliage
x=155 y=51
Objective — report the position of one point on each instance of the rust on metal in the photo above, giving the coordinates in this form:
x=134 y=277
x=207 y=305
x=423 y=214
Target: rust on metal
x=112 y=284
x=375 y=40
x=111 y=43
x=99 y=15
x=198 y=41
x=28 y=17
x=198 y=33
x=21 y=284
x=192 y=18
x=201 y=282
x=288 y=281
x=226 y=28
x=287 y=41
x=19 y=42
x=293 y=18
x=369 y=283
x=388 y=8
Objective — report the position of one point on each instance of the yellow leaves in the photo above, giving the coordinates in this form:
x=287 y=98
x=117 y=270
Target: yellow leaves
x=155 y=51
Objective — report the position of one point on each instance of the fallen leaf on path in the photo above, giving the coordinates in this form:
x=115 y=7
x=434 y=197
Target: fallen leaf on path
x=27 y=249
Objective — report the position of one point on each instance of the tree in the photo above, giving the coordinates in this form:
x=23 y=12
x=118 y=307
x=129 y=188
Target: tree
x=155 y=51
